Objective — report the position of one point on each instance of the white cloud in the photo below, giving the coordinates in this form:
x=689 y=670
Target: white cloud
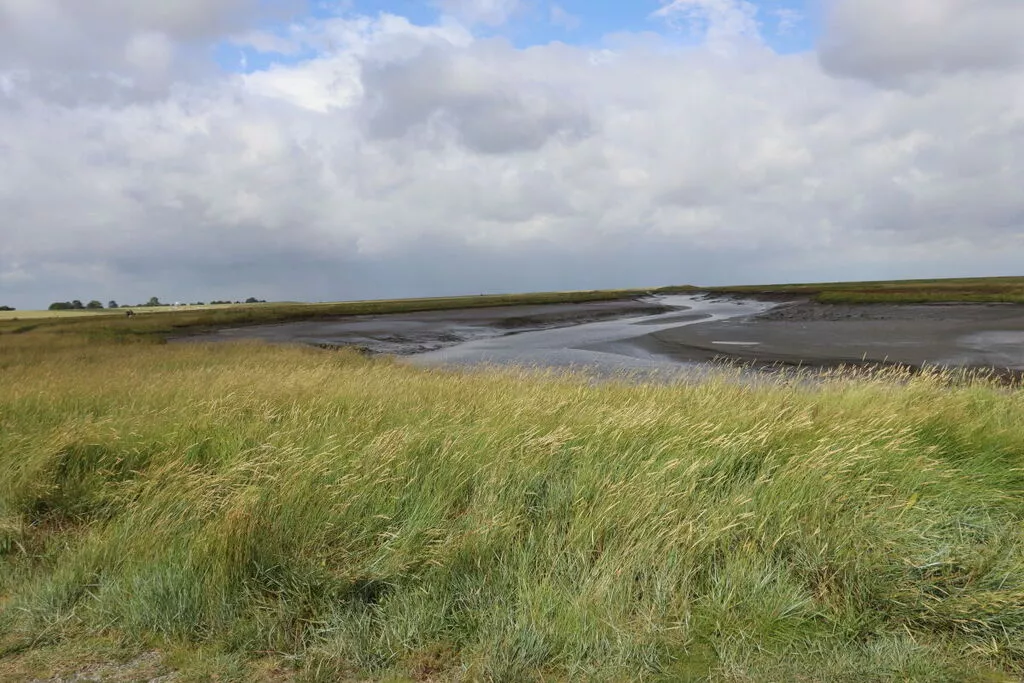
x=489 y=12
x=558 y=16
x=721 y=22
x=415 y=160
x=889 y=42
x=788 y=20
x=149 y=52
x=120 y=39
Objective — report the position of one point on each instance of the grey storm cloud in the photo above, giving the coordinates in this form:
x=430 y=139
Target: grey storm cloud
x=488 y=106
x=410 y=160
x=117 y=46
x=887 y=42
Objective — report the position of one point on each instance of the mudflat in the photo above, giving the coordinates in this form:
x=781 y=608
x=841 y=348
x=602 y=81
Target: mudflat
x=822 y=335
x=406 y=334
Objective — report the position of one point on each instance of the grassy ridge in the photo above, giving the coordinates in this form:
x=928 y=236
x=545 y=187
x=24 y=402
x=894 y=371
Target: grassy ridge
x=980 y=290
x=345 y=517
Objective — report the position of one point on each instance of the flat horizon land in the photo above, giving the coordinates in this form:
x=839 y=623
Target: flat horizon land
x=246 y=511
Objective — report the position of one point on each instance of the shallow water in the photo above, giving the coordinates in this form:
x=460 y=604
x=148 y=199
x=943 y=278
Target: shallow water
x=1000 y=348
x=604 y=347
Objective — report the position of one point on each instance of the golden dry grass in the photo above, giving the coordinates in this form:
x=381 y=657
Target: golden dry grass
x=340 y=517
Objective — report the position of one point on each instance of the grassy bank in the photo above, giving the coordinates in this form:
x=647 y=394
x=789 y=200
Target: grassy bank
x=977 y=290
x=247 y=511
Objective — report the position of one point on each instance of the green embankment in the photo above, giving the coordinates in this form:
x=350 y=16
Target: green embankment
x=977 y=290
x=255 y=512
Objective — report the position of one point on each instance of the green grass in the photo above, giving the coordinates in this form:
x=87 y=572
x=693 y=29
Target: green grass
x=248 y=511
x=978 y=290
x=38 y=315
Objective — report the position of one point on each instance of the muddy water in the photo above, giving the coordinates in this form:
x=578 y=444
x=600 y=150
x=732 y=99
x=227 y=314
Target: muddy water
x=674 y=334
x=604 y=347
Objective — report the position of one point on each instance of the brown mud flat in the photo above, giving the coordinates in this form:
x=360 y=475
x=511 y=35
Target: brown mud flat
x=404 y=334
x=816 y=335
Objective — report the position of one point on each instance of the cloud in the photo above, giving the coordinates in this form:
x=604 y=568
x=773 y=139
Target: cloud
x=488 y=12
x=407 y=160
x=558 y=16
x=887 y=42
x=788 y=20
x=720 y=22
x=128 y=43
x=470 y=95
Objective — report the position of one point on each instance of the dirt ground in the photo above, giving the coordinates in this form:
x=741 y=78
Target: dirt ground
x=806 y=333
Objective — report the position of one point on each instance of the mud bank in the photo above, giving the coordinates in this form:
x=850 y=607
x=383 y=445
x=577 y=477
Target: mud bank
x=677 y=334
x=405 y=334
x=826 y=335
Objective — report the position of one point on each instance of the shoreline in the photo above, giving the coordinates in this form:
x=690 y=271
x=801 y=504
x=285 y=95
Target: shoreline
x=793 y=333
x=410 y=334
x=985 y=337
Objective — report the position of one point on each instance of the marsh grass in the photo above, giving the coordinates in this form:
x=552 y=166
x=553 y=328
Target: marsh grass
x=350 y=518
x=953 y=290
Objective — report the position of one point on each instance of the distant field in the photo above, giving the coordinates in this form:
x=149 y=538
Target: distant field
x=37 y=315
x=978 y=290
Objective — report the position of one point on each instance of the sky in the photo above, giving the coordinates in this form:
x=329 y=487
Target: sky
x=345 y=149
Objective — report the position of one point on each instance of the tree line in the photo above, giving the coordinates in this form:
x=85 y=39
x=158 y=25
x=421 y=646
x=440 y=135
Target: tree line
x=153 y=302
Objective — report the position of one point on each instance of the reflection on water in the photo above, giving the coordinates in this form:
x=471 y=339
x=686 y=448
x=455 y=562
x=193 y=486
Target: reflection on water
x=997 y=348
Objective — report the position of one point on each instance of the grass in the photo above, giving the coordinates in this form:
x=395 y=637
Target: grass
x=241 y=512
x=115 y=312
x=39 y=315
x=978 y=290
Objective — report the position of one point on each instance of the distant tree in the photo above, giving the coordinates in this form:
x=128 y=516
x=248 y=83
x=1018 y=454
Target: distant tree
x=77 y=305
x=7 y=308
x=112 y=304
x=252 y=300
x=61 y=306
x=153 y=301
x=94 y=305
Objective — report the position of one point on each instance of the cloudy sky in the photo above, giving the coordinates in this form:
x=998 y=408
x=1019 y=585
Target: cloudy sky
x=339 y=149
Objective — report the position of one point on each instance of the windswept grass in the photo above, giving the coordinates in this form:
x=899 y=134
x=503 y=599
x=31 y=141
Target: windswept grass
x=273 y=509
x=976 y=290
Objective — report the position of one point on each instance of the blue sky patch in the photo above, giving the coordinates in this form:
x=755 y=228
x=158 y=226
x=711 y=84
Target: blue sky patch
x=787 y=26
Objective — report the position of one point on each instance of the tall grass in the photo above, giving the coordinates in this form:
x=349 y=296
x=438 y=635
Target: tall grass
x=349 y=517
